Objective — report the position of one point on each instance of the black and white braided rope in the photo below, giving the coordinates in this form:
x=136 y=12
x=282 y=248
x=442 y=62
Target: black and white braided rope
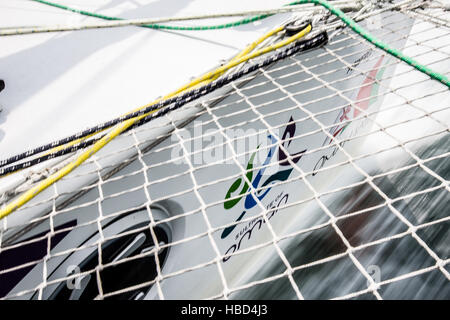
x=162 y=107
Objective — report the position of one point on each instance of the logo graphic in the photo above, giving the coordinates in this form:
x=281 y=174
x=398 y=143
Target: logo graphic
x=367 y=95
x=261 y=188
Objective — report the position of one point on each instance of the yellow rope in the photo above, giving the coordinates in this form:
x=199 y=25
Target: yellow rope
x=247 y=50
x=34 y=191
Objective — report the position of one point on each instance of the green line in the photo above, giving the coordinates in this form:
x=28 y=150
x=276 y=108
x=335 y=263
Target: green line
x=336 y=11
x=159 y=26
x=383 y=46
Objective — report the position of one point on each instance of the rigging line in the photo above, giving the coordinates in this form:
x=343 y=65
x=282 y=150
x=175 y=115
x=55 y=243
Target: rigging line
x=156 y=26
x=128 y=123
x=295 y=47
x=139 y=22
x=379 y=44
x=242 y=57
x=178 y=28
x=178 y=102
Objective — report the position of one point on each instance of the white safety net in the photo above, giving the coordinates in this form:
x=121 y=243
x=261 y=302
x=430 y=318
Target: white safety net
x=322 y=176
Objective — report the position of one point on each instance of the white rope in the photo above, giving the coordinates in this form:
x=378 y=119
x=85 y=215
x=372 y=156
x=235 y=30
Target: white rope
x=10 y=31
x=297 y=85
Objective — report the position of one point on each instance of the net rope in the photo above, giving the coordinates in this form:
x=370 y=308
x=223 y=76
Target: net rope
x=385 y=210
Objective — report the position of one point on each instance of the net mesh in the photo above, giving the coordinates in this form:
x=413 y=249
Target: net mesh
x=322 y=176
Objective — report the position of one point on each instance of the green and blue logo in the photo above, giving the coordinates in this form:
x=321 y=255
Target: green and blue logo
x=261 y=188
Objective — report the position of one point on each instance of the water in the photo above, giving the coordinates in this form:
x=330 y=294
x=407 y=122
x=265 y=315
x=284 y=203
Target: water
x=383 y=261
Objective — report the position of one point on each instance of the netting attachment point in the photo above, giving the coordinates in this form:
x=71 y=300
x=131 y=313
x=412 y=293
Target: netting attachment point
x=374 y=287
x=440 y=263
